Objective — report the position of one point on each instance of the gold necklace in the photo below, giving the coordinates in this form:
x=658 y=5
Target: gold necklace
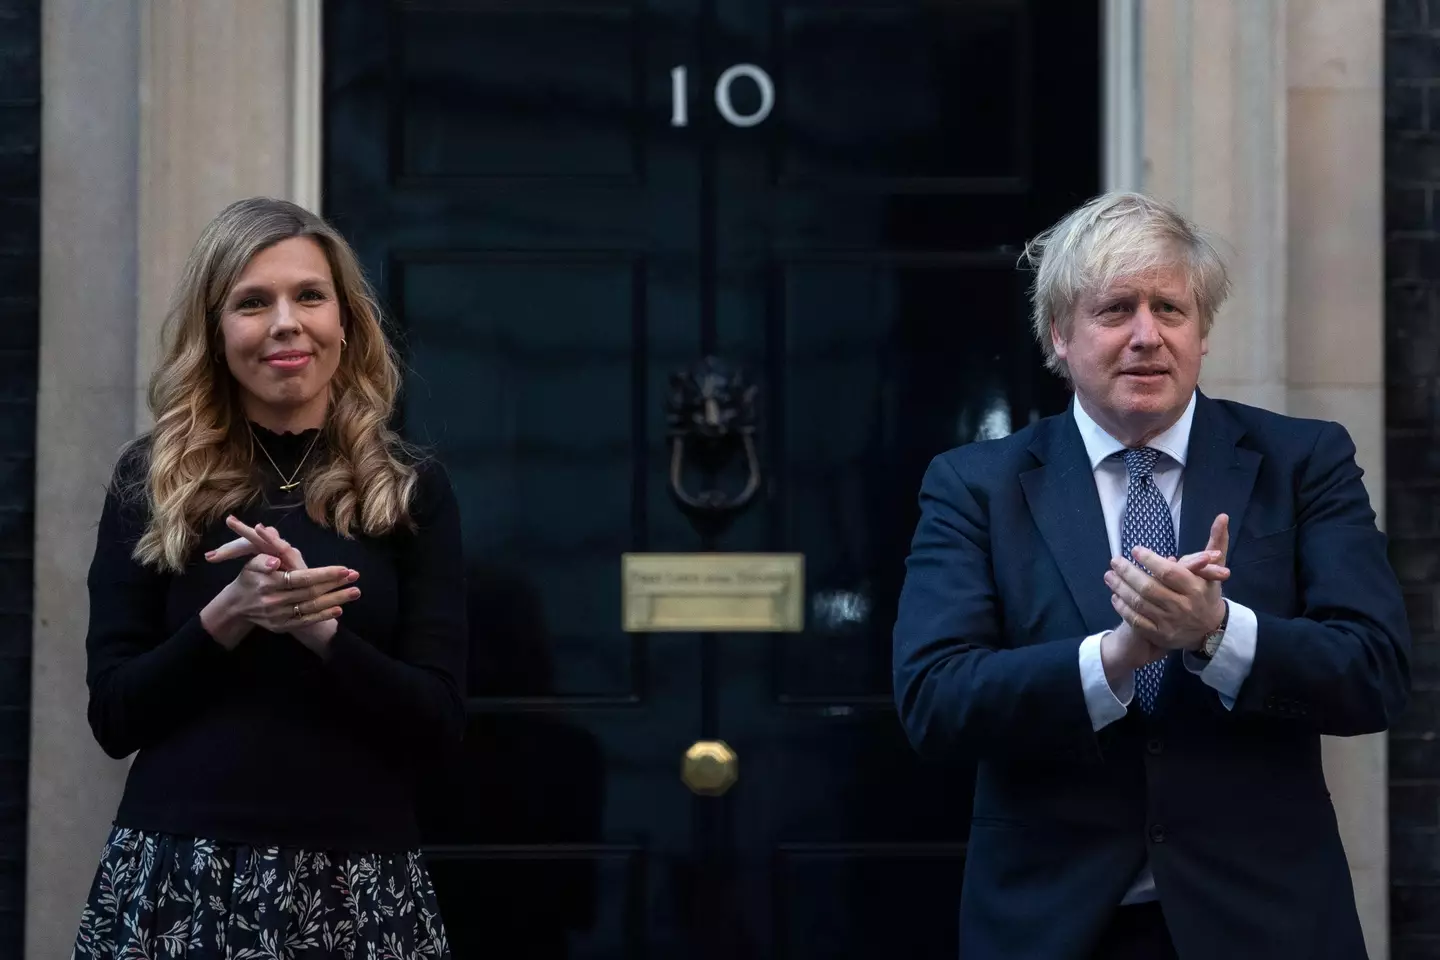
x=290 y=483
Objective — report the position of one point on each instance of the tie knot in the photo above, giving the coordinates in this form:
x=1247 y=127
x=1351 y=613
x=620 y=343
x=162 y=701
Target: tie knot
x=1140 y=461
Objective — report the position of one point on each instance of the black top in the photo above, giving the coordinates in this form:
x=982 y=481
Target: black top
x=268 y=744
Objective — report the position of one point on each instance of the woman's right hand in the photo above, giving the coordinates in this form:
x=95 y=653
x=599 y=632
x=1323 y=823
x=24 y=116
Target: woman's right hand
x=276 y=600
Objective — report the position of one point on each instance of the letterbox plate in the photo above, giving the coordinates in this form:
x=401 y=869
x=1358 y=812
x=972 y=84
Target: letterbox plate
x=713 y=592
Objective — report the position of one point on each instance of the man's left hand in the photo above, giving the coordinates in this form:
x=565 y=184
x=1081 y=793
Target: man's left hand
x=1173 y=606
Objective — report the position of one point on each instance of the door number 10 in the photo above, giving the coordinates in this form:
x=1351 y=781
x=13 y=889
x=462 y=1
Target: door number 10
x=679 y=103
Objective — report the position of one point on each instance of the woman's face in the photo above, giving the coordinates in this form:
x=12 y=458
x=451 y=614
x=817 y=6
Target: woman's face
x=283 y=335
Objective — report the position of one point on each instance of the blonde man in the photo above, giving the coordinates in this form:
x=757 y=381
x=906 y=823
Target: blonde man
x=1140 y=615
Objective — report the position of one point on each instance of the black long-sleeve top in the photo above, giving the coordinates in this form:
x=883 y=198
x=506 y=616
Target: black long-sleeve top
x=269 y=744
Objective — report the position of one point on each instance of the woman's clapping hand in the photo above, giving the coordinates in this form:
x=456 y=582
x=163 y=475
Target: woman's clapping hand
x=276 y=591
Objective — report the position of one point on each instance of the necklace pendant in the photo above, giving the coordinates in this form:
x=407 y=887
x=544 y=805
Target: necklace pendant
x=289 y=486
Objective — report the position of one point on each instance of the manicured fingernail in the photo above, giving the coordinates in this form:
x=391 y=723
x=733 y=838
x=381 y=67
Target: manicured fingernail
x=352 y=576
x=209 y=553
x=272 y=563
x=352 y=594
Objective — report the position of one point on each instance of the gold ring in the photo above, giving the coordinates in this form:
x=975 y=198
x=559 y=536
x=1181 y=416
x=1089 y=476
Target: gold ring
x=287 y=579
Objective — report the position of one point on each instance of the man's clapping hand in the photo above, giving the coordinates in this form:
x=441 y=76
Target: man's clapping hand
x=1172 y=607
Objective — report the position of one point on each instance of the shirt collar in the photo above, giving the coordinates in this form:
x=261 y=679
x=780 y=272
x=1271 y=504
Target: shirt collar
x=1174 y=442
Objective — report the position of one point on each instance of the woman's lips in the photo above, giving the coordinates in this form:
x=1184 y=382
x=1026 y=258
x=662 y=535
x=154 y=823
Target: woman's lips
x=288 y=361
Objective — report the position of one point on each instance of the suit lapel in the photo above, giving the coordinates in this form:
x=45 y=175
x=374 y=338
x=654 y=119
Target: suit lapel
x=1218 y=479
x=1218 y=476
x=1065 y=505
x=1063 y=500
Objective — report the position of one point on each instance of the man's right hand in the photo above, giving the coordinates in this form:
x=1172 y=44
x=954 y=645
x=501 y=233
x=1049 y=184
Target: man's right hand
x=1123 y=651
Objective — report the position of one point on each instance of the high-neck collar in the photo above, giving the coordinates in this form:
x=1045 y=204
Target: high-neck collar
x=287 y=441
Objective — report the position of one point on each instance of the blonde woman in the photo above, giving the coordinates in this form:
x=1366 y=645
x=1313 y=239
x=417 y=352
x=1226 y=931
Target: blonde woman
x=277 y=621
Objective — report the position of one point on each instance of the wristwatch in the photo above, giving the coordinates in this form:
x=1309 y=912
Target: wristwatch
x=1211 y=642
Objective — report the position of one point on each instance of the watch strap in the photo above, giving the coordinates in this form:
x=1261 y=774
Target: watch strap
x=1211 y=643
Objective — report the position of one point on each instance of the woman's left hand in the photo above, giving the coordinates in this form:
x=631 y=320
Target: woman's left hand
x=267 y=540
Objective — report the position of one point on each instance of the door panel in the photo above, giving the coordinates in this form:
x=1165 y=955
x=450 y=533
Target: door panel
x=500 y=385
x=552 y=246
x=488 y=163
x=873 y=284
x=900 y=95
x=457 y=60
x=875 y=369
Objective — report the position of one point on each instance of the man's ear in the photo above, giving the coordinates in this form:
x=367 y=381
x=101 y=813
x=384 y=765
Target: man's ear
x=1058 y=341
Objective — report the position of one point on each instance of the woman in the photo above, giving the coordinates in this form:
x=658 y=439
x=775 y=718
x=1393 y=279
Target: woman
x=277 y=621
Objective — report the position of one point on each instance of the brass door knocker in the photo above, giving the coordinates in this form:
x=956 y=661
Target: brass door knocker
x=711 y=412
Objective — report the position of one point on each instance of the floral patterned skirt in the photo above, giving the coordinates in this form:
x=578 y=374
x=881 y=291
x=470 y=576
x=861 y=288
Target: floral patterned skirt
x=160 y=896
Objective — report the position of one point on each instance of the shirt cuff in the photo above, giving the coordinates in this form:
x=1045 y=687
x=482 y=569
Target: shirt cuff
x=1227 y=671
x=1106 y=705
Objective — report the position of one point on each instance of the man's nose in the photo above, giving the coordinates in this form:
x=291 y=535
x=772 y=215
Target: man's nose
x=1144 y=328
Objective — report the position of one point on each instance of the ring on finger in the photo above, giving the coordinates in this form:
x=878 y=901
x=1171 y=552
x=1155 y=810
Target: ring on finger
x=287 y=579
x=297 y=611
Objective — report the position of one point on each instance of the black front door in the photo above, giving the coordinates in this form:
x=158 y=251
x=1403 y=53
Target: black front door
x=564 y=202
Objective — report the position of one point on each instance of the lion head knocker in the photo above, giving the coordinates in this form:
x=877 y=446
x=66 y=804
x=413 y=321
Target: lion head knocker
x=711 y=412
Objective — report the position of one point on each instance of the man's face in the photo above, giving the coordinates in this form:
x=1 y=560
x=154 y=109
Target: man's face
x=1134 y=353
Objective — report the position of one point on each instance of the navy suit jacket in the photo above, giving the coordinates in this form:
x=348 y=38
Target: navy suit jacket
x=1004 y=581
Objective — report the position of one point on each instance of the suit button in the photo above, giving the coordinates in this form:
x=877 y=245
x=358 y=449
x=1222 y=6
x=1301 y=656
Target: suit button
x=1157 y=833
x=1155 y=745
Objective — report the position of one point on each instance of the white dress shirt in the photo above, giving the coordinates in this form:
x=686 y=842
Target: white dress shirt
x=1227 y=670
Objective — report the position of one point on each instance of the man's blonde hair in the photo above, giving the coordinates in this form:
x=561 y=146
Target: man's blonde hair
x=1117 y=235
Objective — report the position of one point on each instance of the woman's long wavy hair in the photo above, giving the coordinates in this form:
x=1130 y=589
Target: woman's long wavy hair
x=200 y=453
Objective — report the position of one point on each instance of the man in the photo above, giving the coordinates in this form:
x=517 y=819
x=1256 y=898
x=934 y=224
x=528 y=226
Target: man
x=1148 y=728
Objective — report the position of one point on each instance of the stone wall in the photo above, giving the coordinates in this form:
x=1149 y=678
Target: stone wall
x=1412 y=427
x=156 y=115
x=1263 y=120
x=19 y=342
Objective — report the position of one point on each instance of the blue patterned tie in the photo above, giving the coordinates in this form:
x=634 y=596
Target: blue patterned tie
x=1147 y=523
